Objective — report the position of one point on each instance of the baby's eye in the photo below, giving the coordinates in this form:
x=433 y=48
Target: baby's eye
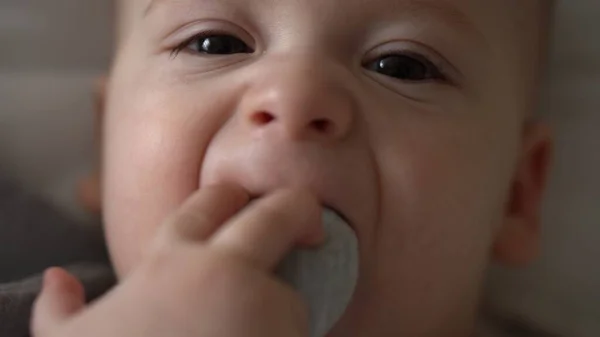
x=216 y=44
x=412 y=68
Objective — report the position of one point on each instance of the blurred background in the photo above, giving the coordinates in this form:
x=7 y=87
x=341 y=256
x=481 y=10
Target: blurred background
x=51 y=52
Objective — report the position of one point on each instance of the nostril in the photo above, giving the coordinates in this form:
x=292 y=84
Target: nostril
x=262 y=118
x=322 y=125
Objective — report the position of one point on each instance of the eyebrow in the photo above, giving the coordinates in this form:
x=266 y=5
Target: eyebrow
x=151 y=5
x=414 y=5
x=449 y=14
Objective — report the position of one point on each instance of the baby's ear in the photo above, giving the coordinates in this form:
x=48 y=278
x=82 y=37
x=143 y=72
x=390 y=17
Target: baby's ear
x=88 y=192
x=518 y=240
x=100 y=95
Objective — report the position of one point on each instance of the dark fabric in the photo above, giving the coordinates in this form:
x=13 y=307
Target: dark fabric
x=16 y=298
x=33 y=237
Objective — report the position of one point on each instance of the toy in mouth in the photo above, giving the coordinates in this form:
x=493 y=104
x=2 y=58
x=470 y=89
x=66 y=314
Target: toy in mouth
x=326 y=277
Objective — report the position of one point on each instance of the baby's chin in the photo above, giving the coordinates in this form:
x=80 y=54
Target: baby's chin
x=326 y=277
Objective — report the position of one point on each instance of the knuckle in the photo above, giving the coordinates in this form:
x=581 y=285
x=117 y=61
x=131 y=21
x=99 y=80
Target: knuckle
x=224 y=271
x=188 y=224
x=196 y=267
x=299 y=195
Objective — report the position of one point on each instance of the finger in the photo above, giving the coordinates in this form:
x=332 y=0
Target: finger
x=61 y=297
x=203 y=213
x=265 y=232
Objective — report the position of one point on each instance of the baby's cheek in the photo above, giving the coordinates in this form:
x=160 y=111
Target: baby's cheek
x=440 y=196
x=142 y=191
x=151 y=166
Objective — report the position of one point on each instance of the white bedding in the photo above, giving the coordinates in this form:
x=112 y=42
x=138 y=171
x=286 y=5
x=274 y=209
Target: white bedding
x=45 y=140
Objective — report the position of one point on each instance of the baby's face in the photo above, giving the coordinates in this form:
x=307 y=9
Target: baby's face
x=405 y=116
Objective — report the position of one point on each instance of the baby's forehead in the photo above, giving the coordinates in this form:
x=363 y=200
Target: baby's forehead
x=517 y=11
x=506 y=24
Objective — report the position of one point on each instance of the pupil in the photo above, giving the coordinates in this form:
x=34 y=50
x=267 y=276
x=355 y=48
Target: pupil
x=221 y=45
x=214 y=45
x=403 y=67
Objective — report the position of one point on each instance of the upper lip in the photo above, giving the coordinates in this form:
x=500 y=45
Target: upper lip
x=341 y=215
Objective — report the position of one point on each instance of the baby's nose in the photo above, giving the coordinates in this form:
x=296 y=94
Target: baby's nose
x=300 y=106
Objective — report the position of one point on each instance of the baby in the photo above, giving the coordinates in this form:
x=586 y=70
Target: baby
x=412 y=119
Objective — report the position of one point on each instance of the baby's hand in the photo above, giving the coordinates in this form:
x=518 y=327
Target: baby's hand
x=209 y=274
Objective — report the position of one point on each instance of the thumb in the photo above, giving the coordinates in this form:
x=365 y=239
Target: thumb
x=61 y=297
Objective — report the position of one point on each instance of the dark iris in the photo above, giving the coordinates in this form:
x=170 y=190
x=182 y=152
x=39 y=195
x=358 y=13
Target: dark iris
x=405 y=67
x=219 y=45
